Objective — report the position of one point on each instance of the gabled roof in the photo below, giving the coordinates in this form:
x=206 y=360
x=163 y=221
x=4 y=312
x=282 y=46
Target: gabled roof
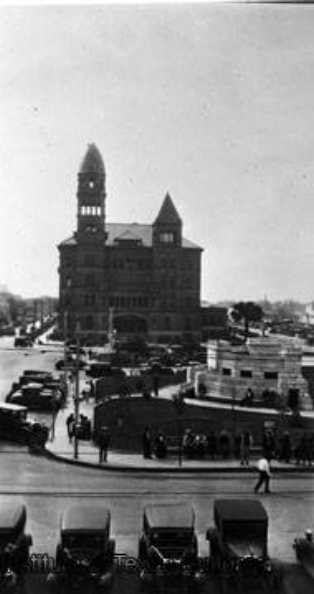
x=128 y=235
x=168 y=212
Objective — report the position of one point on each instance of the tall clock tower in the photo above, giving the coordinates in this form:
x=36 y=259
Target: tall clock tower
x=91 y=195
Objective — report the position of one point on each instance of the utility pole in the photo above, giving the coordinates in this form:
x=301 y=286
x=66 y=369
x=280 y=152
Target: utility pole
x=77 y=390
x=65 y=334
x=110 y=329
x=178 y=401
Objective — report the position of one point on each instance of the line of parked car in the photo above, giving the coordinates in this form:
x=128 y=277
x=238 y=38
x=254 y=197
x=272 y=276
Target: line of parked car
x=168 y=555
x=38 y=390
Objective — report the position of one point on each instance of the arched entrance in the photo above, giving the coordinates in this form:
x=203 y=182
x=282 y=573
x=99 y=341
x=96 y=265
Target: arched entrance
x=130 y=325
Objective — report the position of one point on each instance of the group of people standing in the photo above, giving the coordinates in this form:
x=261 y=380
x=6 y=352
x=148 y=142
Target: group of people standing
x=157 y=445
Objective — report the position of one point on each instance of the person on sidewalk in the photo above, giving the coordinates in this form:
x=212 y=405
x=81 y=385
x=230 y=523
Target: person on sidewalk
x=104 y=439
x=263 y=475
x=147 y=443
x=246 y=443
x=70 y=426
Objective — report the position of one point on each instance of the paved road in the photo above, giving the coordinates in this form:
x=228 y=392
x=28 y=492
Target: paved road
x=47 y=487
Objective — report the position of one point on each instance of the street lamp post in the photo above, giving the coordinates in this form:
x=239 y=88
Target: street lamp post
x=65 y=333
x=77 y=390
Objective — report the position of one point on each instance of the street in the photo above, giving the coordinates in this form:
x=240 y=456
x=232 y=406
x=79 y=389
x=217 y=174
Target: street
x=48 y=487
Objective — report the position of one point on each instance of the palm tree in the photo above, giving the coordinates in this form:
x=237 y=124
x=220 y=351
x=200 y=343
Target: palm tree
x=248 y=311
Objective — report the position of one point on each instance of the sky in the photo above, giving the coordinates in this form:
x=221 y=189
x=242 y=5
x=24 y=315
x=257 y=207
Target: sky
x=213 y=103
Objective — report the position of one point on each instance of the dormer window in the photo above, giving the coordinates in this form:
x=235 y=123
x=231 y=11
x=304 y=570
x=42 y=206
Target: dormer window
x=166 y=237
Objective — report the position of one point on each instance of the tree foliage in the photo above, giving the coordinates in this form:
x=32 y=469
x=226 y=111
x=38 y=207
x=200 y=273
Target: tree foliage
x=248 y=312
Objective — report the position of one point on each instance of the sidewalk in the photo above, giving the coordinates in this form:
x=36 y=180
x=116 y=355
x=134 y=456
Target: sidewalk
x=60 y=448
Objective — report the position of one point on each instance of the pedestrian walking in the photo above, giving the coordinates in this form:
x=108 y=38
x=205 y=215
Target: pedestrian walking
x=70 y=426
x=188 y=443
x=147 y=443
x=224 y=444
x=86 y=392
x=104 y=438
x=269 y=445
x=246 y=444
x=263 y=475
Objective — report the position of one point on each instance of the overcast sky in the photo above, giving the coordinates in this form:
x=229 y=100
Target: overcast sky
x=212 y=103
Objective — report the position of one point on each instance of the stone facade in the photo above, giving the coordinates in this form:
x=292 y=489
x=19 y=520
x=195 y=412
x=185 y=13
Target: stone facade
x=131 y=279
x=261 y=363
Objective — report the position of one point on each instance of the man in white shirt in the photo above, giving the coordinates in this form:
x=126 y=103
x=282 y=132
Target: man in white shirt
x=263 y=475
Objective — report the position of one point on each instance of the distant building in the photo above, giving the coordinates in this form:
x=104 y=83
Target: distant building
x=214 y=322
x=309 y=314
x=129 y=279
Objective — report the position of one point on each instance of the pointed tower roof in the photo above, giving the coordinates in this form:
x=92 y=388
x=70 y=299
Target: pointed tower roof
x=93 y=161
x=168 y=212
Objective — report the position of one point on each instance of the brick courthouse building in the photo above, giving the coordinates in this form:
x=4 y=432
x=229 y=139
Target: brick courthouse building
x=138 y=279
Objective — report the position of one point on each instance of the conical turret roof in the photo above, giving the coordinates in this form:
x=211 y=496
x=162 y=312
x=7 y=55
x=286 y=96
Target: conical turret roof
x=93 y=161
x=168 y=212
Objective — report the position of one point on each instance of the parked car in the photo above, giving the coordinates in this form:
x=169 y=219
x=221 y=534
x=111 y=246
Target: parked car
x=239 y=542
x=85 y=553
x=156 y=368
x=69 y=363
x=14 y=426
x=98 y=369
x=37 y=373
x=14 y=546
x=7 y=331
x=23 y=341
x=304 y=550
x=36 y=396
x=168 y=548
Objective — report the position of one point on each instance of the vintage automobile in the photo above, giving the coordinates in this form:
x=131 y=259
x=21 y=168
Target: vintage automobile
x=97 y=369
x=23 y=341
x=85 y=553
x=37 y=396
x=239 y=542
x=15 y=426
x=14 y=546
x=70 y=363
x=304 y=550
x=168 y=549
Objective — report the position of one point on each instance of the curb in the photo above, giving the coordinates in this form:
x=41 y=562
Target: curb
x=114 y=466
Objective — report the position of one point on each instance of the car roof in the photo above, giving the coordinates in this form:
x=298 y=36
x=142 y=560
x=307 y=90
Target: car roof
x=85 y=519
x=170 y=515
x=239 y=509
x=13 y=407
x=11 y=515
